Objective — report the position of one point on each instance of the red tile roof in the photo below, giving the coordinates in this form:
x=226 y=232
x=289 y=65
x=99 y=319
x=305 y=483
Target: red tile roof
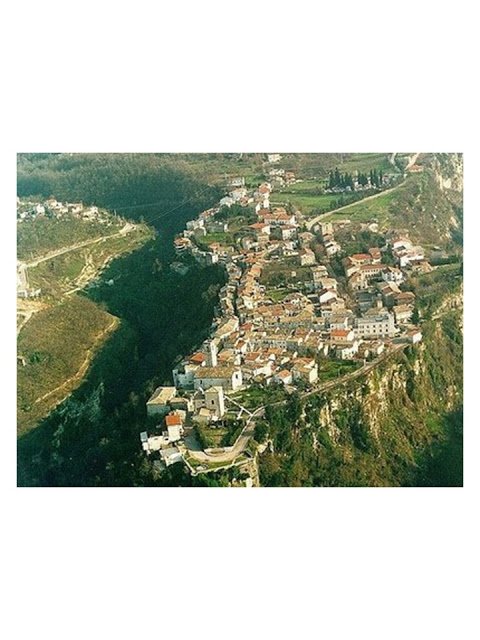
x=340 y=333
x=361 y=256
x=173 y=420
x=198 y=358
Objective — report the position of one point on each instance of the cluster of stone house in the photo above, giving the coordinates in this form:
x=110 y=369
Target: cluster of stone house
x=28 y=210
x=257 y=338
x=405 y=253
x=281 y=177
x=326 y=231
x=381 y=308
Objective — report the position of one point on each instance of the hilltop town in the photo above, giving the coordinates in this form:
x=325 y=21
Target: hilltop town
x=296 y=303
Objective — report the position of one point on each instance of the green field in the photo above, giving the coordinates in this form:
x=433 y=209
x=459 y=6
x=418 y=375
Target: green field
x=307 y=165
x=280 y=273
x=224 y=238
x=308 y=201
x=378 y=209
x=366 y=161
x=277 y=295
x=331 y=369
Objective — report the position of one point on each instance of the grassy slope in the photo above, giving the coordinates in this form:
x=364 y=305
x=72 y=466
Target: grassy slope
x=58 y=275
x=319 y=164
x=42 y=235
x=57 y=344
x=376 y=209
x=418 y=205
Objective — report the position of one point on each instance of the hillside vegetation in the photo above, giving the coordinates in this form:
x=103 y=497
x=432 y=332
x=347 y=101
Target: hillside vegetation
x=43 y=235
x=57 y=344
x=78 y=268
x=91 y=438
x=139 y=186
x=392 y=429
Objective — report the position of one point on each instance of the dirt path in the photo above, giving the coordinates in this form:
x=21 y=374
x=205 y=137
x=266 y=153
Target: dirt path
x=411 y=161
x=88 y=273
x=310 y=223
x=83 y=367
x=27 y=314
x=127 y=228
x=27 y=308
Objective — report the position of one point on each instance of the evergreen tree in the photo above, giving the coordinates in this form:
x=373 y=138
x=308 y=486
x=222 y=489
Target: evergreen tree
x=337 y=177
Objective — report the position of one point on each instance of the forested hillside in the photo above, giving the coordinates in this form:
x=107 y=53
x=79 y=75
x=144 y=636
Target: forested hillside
x=137 y=185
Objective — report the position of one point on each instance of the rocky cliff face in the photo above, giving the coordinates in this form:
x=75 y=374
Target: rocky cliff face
x=386 y=423
x=448 y=171
x=385 y=429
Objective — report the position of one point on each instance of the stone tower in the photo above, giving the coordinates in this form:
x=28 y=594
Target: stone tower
x=214 y=401
x=211 y=353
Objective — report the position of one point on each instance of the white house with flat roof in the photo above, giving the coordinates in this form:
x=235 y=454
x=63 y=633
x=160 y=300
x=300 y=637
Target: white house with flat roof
x=381 y=325
x=158 y=404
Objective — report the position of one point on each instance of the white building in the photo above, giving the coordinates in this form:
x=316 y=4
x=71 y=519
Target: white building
x=332 y=248
x=170 y=456
x=227 y=201
x=326 y=295
x=375 y=325
x=392 y=274
x=273 y=157
x=158 y=403
x=347 y=350
x=414 y=336
x=283 y=377
x=305 y=369
x=174 y=425
x=307 y=257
